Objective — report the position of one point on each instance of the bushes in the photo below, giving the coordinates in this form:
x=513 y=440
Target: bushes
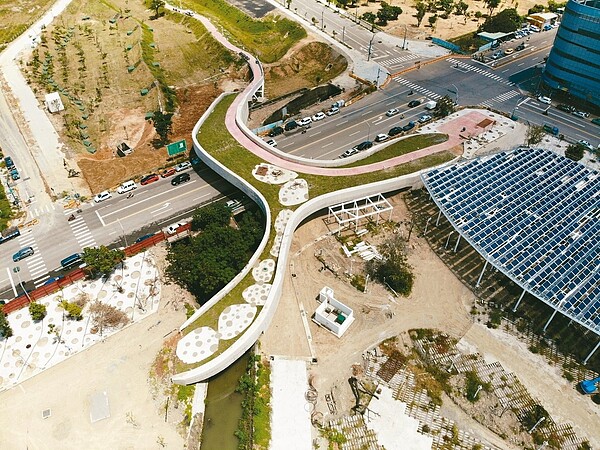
x=37 y=311
x=5 y=329
x=394 y=269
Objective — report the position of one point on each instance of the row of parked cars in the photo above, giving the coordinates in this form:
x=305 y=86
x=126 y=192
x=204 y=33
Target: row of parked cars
x=12 y=169
x=151 y=178
x=305 y=121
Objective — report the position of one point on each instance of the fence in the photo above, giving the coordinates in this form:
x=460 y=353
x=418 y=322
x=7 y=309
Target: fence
x=449 y=45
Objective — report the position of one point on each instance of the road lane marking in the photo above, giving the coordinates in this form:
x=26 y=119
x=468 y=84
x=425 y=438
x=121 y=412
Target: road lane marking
x=100 y=219
x=356 y=132
x=12 y=284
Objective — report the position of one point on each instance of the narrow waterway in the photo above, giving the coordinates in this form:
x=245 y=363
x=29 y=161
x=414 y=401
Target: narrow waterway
x=223 y=408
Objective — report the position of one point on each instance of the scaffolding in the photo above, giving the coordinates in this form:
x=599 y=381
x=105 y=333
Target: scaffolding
x=355 y=210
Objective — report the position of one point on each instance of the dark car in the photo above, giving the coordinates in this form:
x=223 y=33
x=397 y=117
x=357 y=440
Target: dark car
x=292 y=125
x=149 y=179
x=395 y=131
x=52 y=280
x=181 y=178
x=565 y=108
x=9 y=163
x=414 y=103
x=364 y=146
x=22 y=254
x=408 y=126
x=275 y=132
x=143 y=238
x=596 y=121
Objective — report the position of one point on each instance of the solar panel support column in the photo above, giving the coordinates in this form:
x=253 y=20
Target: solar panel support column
x=550 y=320
x=481 y=274
x=438 y=219
x=519 y=301
x=457 y=242
x=591 y=353
x=426 y=226
x=448 y=240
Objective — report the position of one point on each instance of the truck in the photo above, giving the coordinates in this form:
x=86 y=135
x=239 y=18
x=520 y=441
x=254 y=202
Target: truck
x=430 y=105
x=551 y=129
x=9 y=233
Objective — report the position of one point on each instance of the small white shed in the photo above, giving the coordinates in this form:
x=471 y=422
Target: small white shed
x=54 y=103
x=333 y=314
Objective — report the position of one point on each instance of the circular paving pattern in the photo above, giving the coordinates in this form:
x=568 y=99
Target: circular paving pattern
x=257 y=294
x=293 y=192
x=282 y=219
x=263 y=272
x=268 y=173
x=234 y=319
x=197 y=345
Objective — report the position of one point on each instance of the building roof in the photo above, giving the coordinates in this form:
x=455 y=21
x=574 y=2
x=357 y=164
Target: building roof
x=544 y=16
x=535 y=216
x=493 y=36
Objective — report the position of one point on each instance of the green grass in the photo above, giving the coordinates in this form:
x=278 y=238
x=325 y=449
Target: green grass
x=262 y=407
x=468 y=42
x=217 y=141
x=269 y=38
x=6 y=212
x=399 y=148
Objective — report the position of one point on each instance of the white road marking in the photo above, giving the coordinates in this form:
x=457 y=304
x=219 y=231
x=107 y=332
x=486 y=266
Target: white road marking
x=12 y=284
x=100 y=218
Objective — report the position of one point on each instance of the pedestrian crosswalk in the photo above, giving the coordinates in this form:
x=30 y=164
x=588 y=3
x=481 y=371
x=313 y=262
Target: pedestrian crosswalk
x=500 y=98
x=40 y=211
x=80 y=230
x=471 y=68
x=415 y=87
x=38 y=271
x=397 y=61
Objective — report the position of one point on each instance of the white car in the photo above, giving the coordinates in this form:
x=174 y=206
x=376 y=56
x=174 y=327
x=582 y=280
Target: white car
x=126 y=187
x=305 y=121
x=333 y=111
x=318 y=116
x=543 y=99
x=381 y=137
x=392 y=112
x=347 y=153
x=182 y=166
x=424 y=118
x=271 y=142
x=586 y=144
x=172 y=229
x=104 y=195
x=582 y=114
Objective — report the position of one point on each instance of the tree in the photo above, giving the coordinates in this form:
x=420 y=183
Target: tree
x=447 y=6
x=444 y=107
x=388 y=13
x=505 y=21
x=156 y=5
x=491 y=5
x=215 y=214
x=575 y=151
x=5 y=329
x=432 y=20
x=162 y=125
x=72 y=309
x=37 y=311
x=107 y=316
x=535 y=134
x=460 y=9
x=536 y=9
x=101 y=260
x=394 y=269
x=369 y=17
x=421 y=10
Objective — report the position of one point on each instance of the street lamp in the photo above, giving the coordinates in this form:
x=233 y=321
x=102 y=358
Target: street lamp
x=371 y=45
x=16 y=270
x=456 y=92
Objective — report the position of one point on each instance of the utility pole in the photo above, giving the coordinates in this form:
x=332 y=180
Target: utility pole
x=404 y=43
x=343 y=32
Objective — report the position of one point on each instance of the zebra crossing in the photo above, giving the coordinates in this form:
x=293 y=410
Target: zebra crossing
x=468 y=67
x=36 y=266
x=500 y=98
x=80 y=230
x=399 y=60
x=38 y=212
x=417 y=88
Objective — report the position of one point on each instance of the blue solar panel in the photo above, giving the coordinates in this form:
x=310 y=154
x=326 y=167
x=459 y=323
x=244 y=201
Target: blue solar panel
x=536 y=215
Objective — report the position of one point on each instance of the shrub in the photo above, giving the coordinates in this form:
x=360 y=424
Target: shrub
x=72 y=309
x=37 y=311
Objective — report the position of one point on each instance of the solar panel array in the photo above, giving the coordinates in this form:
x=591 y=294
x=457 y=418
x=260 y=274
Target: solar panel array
x=535 y=216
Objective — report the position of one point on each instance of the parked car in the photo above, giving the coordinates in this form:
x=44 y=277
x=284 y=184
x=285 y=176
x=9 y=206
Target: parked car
x=365 y=145
x=498 y=54
x=183 y=166
x=544 y=99
x=126 y=187
x=534 y=29
x=565 y=108
x=318 y=116
x=149 y=179
x=172 y=229
x=586 y=144
x=414 y=103
x=168 y=172
x=291 y=125
x=23 y=253
x=392 y=112
x=52 y=280
x=276 y=131
x=14 y=174
x=181 y=178
x=381 y=137
x=9 y=163
x=596 y=121
x=350 y=152
x=409 y=126
x=395 y=131
x=509 y=51
x=582 y=114
x=425 y=118
x=304 y=121
x=333 y=111
x=520 y=47
x=104 y=195
x=271 y=142
x=144 y=237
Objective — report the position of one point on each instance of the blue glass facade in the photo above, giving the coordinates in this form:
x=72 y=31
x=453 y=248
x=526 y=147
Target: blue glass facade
x=574 y=62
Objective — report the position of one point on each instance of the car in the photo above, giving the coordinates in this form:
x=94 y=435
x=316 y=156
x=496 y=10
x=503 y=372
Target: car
x=71 y=260
x=566 y=108
x=409 y=126
x=271 y=142
x=14 y=173
x=381 y=137
x=365 y=145
x=195 y=160
x=544 y=99
x=144 y=237
x=181 y=178
x=425 y=118
x=509 y=51
x=534 y=29
x=392 y=112
x=582 y=114
x=149 y=179
x=304 y=121
x=596 y=121
x=318 y=116
x=395 y=131
x=183 y=166
x=333 y=111
x=104 y=195
x=414 y=103
x=350 y=152
x=547 y=27
x=23 y=253
x=291 y=125
x=495 y=44
x=172 y=229
x=586 y=144
x=126 y=187
x=9 y=163
x=52 y=280
x=520 y=47
x=276 y=131
x=168 y=172
x=498 y=54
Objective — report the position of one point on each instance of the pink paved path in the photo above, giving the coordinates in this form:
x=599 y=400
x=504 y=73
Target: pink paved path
x=452 y=128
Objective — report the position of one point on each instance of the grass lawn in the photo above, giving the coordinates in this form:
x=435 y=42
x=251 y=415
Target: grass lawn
x=17 y=15
x=216 y=140
x=399 y=148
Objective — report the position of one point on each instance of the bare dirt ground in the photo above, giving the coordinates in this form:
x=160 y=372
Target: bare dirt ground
x=120 y=366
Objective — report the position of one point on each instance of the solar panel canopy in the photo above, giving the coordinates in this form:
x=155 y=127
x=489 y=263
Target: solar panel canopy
x=535 y=216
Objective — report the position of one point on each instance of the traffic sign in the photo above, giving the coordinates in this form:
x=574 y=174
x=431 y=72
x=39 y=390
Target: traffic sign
x=176 y=147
